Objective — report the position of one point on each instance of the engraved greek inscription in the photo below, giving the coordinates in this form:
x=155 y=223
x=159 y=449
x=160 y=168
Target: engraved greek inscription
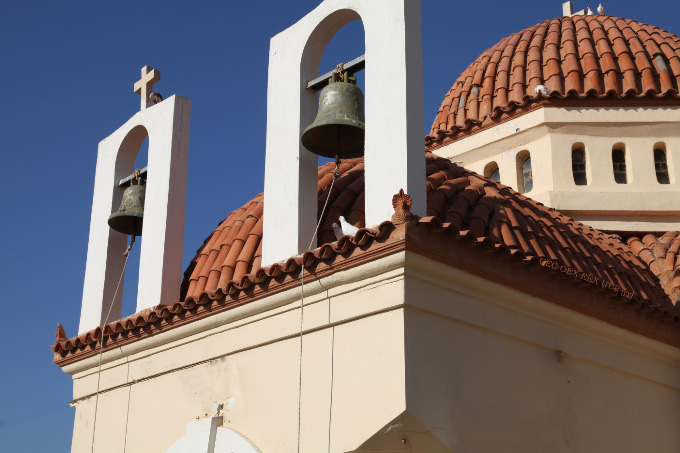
x=590 y=278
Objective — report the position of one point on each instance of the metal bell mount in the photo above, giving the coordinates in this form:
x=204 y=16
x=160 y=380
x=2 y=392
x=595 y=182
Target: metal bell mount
x=129 y=218
x=338 y=130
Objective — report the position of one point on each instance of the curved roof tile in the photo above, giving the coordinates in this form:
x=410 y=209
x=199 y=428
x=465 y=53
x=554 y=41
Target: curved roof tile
x=662 y=255
x=575 y=57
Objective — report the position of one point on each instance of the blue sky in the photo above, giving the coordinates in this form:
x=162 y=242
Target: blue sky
x=67 y=74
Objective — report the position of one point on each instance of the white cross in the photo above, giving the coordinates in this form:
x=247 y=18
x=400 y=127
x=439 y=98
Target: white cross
x=144 y=85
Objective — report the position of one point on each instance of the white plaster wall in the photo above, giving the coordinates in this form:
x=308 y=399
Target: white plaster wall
x=549 y=134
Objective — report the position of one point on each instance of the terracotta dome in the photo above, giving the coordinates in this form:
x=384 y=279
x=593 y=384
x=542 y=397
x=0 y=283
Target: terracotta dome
x=580 y=57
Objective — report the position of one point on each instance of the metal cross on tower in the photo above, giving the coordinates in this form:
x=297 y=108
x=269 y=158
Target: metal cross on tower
x=144 y=85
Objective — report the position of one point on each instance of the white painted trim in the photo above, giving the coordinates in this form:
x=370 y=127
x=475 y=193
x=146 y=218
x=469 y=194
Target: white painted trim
x=167 y=126
x=394 y=117
x=229 y=441
x=200 y=437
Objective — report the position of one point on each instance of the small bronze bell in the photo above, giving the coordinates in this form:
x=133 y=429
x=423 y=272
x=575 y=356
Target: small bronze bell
x=338 y=129
x=130 y=216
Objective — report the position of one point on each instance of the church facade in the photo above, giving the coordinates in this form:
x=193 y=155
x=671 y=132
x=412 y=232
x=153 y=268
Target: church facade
x=519 y=294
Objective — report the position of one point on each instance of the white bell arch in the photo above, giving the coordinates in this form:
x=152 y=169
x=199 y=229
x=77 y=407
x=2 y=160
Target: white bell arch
x=394 y=147
x=160 y=266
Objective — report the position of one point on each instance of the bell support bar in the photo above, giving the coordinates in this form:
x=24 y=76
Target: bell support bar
x=126 y=181
x=351 y=67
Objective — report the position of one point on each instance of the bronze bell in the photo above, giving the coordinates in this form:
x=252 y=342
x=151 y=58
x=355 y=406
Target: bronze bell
x=338 y=129
x=130 y=216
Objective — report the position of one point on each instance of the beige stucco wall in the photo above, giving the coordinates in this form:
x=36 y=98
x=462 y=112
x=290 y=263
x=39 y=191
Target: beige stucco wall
x=643 y=204
x=417 y=351
x=251 y=365
x=493 y=370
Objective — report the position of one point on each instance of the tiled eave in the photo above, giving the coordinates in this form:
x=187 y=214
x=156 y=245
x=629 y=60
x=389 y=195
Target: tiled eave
x=348 y=251
x=428 y=237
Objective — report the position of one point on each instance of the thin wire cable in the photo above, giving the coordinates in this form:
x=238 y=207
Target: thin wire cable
x=302 y=297
x=330 y=406
x=101 y=341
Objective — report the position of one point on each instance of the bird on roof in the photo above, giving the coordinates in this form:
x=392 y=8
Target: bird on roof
x=155 y=98
x=589 y=11
x=600 y=10
x=345 y=228
x=542 y=89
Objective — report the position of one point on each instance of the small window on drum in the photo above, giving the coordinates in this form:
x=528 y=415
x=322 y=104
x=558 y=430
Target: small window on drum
x=578 y=166
x=619 y=166
x=661 y=166
x=491 y=171
x=525 y=177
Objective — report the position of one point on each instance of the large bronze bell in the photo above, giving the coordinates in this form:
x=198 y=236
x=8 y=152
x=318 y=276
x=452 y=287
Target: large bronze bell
x=129 y=218
x=338 y=129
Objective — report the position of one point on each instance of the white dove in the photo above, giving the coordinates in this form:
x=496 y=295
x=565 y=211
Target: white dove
x=600 y=10
x=542 y=89
x=345 y=228
x=589 y=11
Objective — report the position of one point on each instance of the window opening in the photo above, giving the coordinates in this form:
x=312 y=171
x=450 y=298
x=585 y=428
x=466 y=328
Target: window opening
x=578 y=166
x=527 y=175
x=661 y=166
x=491 y=171
x=496 y=175
x=619 y=164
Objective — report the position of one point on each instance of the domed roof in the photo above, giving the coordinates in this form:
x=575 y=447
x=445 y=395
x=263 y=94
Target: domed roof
x=579 y=57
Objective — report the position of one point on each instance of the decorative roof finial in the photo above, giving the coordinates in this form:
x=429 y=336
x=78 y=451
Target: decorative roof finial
x=568 y=10
x=401 y=203
x=61 y=334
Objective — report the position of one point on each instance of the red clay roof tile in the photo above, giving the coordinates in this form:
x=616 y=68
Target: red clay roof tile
x=662 y=255
x=599 y=57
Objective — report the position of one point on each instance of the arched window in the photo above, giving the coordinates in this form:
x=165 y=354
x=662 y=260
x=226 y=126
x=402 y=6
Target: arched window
x=619 y=164
x=578 y=165
x=661 y=166
x=525 y=177
x=491 y=171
